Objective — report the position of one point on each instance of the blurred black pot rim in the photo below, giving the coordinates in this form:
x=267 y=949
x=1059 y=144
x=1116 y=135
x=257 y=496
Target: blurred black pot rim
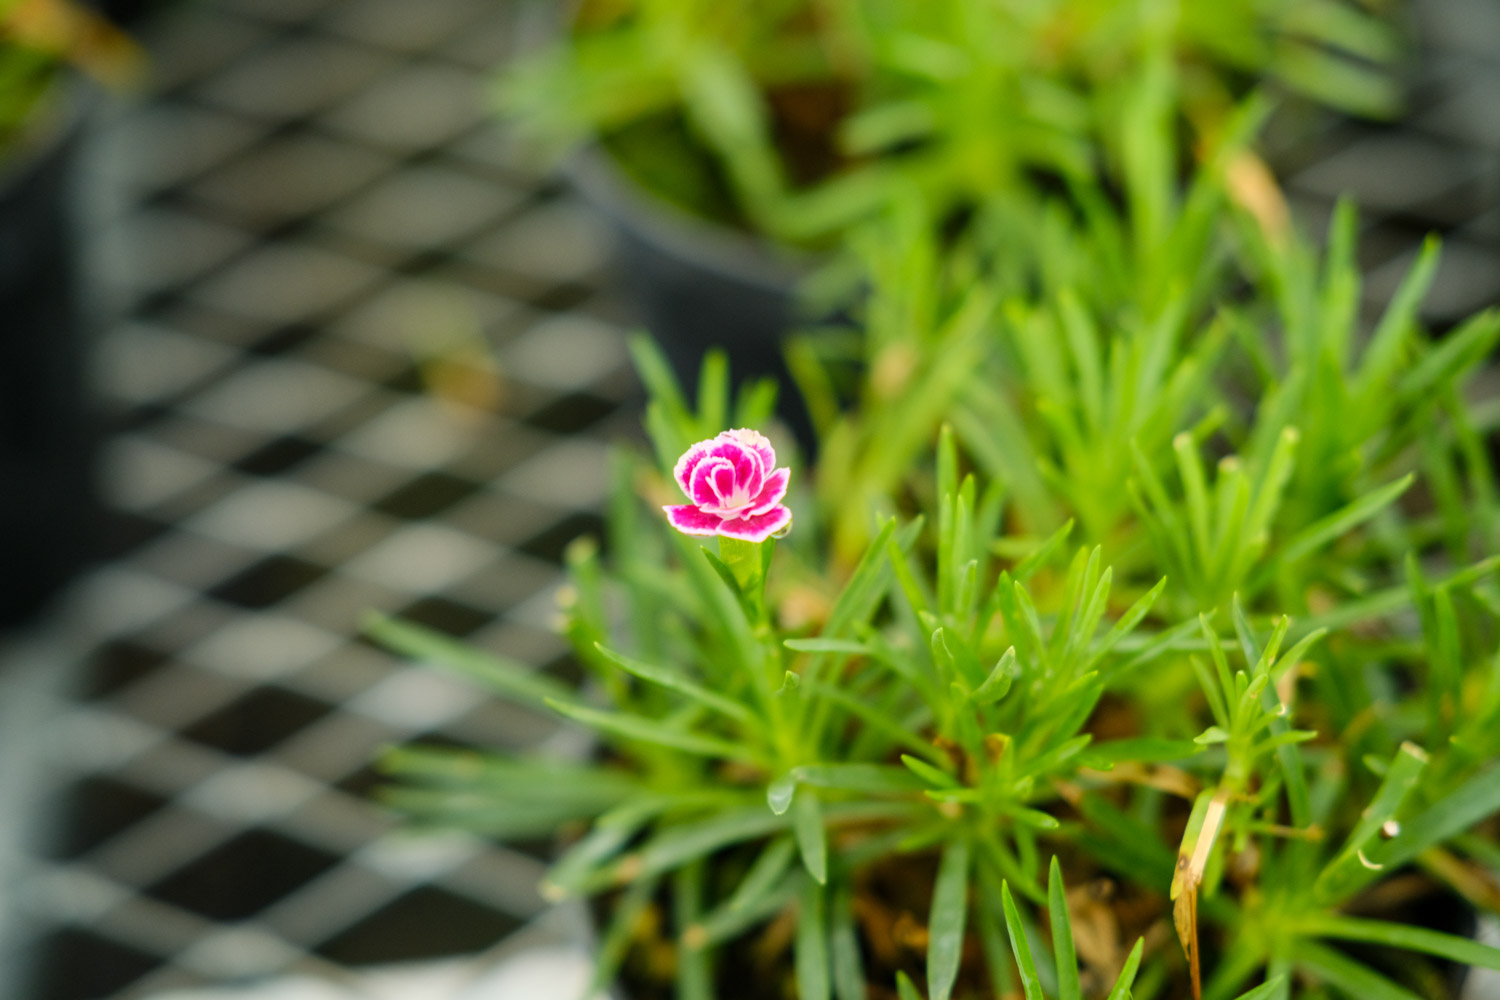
x=730 y=253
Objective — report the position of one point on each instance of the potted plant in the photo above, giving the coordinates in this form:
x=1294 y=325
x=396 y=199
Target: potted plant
x=728 y=143
x=47 y=508
x=1242 y=740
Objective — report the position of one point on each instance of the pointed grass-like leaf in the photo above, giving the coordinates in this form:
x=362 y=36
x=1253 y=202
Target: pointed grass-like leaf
x=694 y=973
x=1348 y=976
x=1127 y=846
x=725 y=923
x=878 y=720
x=1343 y=520
x=1066 y=957
x=875 y=779
x=997 y=684
x=811 y=953
x=1385 y=351
x=1452 y=814
x=1357 y=861
x=508 y=678
x=865 y=587
x=755 y=403
x=1020 y=947
x=996 y=949
x=1460 y=350
x=779 y=793
x=1266 y=991
x=845 y=647
x=904 y=988
x=1042 y=555
x=812 y=838
x=934 y=776
x=1126 y=979
x=844 y=959
x=621 y=931
x=713 y=389
x=673 y=680
x=672 y=426
x=861 y=594
x=676 y=845
x=1185 y=635
x=1125 y=625
x=1462 y=950
x=581 y=862
x=641 y=729
x=945 y=924
x=1145 y=750
x=532 y=777
x=764 y=874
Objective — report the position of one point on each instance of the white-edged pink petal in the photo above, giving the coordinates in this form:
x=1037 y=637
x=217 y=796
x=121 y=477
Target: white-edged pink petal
x=747 y=468
x=691 y=521
x=757 y=527
x=683 y=470
x=771 y=493
x=702 y=486
x=756 y=442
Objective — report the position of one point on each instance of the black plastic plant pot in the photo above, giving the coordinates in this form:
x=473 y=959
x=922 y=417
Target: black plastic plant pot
x=697 y=285
x=49 y=513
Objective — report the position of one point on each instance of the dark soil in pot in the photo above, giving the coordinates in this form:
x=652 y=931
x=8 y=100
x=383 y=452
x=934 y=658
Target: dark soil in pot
x=49 y=512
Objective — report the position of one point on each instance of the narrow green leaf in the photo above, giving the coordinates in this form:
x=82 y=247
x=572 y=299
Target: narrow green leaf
x=950 y=906
x=1146 y=750
x=1043 y=554
x=1266 y=990
x=843 y=945
x=726 y=923
x=1465 y=951
x=674 y=681
x=1349 y=977
x=1020 y=946
x=879 y=779
x=507 y=677
x=621 y=931
x=811 y=953
x=676 y=845
x=1358 y=861
x=1451 y=815
x=1121 y=989
x=644 y=730
x=997 y=684
x=846 y=646
x=812 y=839
x=1343 y=520
x=764 y=874
x=1068 y=987
x=779 y=793
x=932 y=775
x=1383 y=355
x=713 y=388
x=694 y=973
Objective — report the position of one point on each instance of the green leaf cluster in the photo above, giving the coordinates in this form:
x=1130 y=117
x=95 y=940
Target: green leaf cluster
x=1137 y=547
x=800 y=118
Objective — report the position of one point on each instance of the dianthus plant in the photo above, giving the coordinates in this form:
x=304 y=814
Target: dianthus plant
x=873 y=785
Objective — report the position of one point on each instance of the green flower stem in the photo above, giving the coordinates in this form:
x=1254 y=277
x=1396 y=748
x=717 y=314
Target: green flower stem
x=745 y=561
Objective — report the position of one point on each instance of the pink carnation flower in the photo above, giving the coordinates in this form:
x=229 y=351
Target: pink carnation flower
x=735 y=487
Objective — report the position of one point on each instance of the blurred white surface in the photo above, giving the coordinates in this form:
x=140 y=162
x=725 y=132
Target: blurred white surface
x=546 y=972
